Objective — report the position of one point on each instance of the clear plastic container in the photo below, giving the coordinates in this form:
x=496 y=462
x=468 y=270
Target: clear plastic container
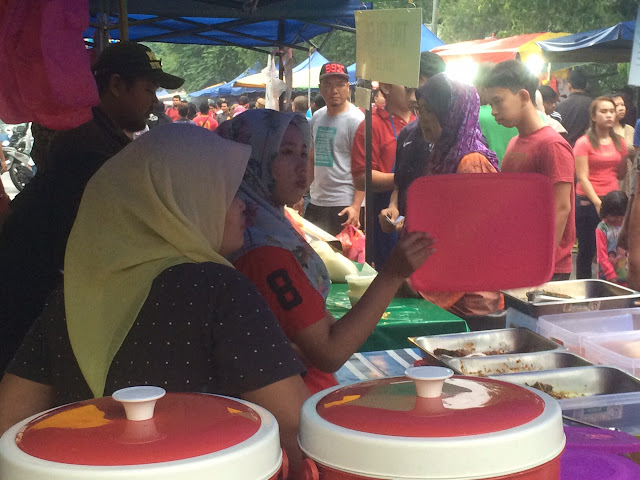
x=570 y=329
x=618 y=349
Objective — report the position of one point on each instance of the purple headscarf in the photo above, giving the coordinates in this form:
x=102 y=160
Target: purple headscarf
x=456 y=106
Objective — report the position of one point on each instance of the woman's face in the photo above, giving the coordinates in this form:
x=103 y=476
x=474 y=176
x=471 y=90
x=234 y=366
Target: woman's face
x=234 y=226
x=289 y=168
x=604 y=115
x=621 y=110
x=429 y=124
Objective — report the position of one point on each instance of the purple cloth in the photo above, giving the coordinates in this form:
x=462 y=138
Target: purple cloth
x=456 y=106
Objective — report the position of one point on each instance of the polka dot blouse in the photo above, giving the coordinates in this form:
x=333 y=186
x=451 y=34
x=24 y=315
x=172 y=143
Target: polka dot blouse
x=203 y=328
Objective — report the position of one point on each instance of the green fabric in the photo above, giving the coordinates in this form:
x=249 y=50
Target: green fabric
x=497 y=136
x=405 y=317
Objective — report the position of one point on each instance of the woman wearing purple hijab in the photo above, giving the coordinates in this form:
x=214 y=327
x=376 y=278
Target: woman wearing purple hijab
x=448 y=117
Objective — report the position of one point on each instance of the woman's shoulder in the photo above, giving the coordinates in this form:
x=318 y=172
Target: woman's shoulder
x=206 y=273
x=475 y=162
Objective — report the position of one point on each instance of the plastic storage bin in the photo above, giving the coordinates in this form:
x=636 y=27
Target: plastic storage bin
x=570 y=329
x=618 y=349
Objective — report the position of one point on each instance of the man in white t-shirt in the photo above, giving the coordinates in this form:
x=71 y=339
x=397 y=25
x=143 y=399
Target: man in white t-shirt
x=334 y=201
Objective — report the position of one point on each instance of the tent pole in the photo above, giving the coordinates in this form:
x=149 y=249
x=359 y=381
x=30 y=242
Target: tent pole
x=369 y=210
x=123 y=20
x=434 y=18
x=102 y=30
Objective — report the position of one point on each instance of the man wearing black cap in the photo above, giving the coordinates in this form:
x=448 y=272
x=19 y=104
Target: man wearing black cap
x=334 y=201
x=34 y=235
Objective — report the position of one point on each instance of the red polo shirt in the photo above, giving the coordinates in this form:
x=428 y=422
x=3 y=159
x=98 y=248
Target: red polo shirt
x=382 y=139
x=172 y=113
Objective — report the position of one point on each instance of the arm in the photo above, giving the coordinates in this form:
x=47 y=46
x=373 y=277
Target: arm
x=284 y=400
x=562 y=197
x=382 y=182
x=329 y=343
x=622 y=166
x=20 y=398
x=353 y=211
x=582 y=172
x=634 y=242
x=623 y=236
x=603 y=256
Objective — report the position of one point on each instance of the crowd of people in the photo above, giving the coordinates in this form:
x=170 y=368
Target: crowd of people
x=169 y=260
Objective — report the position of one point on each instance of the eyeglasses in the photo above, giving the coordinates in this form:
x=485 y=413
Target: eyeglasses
x=330 y=86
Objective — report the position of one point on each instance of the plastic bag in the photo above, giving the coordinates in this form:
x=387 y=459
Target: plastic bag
x=352 y=240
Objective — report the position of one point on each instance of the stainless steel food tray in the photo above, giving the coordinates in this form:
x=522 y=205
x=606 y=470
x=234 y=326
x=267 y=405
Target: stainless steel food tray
x=505 y=340
x=579 y=381
x=587 y=295
x=516 y=363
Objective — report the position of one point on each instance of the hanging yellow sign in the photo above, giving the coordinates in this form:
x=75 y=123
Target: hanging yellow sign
x=388 y=45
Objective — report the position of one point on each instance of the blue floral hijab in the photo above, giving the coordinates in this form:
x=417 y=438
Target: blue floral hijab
x=263 y=129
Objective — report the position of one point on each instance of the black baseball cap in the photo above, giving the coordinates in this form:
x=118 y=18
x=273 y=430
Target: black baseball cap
x=333 y=69
x=133 y=58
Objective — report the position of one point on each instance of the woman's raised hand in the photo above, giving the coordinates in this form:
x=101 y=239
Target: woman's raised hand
x=411 y=251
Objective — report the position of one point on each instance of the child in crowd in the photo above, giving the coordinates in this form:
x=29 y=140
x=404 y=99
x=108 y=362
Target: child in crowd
x=612 y=261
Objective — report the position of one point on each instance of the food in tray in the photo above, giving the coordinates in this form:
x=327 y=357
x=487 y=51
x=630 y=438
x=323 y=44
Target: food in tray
x=515 y=367
x=557 y=394
x=469 y=350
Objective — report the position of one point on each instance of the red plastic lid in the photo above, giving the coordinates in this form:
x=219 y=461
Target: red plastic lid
x=96 y=432
x=492 y=232
x=468 y=406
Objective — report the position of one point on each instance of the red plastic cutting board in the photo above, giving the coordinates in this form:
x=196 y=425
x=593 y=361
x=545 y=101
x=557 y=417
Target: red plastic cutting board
x=492 y=232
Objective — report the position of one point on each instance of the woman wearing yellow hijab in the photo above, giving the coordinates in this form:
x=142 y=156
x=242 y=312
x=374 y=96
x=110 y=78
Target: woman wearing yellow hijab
x=148 y=294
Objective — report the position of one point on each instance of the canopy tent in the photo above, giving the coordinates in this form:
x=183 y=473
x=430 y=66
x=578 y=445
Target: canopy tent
x=496 y=50
x=428 y=41
x=226 y=89
x=605 y=45
x=272 y=23
x=305 y=74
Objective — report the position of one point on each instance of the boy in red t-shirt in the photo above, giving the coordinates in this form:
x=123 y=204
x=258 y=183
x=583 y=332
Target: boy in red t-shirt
x=536 y=149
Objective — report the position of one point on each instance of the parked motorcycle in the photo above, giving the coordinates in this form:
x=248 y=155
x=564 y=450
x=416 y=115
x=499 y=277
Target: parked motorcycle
x=16 y=151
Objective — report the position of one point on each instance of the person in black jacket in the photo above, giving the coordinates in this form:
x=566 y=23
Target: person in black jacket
x=34 y=235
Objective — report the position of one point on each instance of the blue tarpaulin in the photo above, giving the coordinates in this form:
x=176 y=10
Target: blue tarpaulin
x=214 y=22
x=605 y=45
x=227 y=89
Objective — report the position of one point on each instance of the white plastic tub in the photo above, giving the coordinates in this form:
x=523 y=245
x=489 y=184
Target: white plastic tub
x=570 y=329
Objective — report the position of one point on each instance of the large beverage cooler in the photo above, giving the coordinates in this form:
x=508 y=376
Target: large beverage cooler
x=141 y=433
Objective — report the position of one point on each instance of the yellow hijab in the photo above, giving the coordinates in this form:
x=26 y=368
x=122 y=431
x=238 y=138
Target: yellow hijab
x=160 y=202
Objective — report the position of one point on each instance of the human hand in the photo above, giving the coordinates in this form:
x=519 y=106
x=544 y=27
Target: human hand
x=387 y=214
x=411 y=251
x=598 y=206
x=3 y=166
x=353 y=216
x=299 y=207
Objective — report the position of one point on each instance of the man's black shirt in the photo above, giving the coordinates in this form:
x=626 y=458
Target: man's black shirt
x=34 y=236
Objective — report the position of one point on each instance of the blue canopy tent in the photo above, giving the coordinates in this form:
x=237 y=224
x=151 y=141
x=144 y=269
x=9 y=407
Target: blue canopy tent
x=227 y=89
x=605 y=45
x=428 y=41
x=272 y=23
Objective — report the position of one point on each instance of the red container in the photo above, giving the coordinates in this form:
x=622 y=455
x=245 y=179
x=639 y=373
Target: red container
x=475 y=429
x=189 y=436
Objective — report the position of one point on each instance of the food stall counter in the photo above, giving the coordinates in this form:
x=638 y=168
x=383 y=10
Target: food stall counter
x=403 y=318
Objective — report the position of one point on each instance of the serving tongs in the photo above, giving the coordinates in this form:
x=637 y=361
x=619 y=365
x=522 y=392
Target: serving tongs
x=537 y=296
x=587 y=424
